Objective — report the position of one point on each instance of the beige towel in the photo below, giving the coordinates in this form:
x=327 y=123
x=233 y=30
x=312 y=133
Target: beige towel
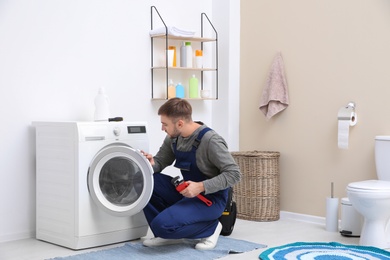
x=275 y=96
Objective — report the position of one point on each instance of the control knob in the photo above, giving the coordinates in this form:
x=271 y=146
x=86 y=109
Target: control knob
x=117 y=131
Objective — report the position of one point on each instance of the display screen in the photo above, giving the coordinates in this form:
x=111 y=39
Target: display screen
x=136 y=129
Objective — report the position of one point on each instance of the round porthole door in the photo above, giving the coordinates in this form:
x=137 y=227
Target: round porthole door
x=120 y=180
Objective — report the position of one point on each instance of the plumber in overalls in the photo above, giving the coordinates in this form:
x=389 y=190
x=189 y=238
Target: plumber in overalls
x=207 y=167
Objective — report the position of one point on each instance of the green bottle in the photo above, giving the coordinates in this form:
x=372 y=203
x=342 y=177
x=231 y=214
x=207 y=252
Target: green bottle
x=194 y=89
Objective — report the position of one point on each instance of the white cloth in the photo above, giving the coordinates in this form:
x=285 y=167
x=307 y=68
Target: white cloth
x=171 y=31
x=274 y=98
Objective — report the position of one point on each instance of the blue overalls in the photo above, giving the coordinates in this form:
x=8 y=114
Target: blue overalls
x=172 y=216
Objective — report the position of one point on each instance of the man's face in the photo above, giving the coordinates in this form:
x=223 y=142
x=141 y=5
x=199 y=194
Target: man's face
x=170 y=127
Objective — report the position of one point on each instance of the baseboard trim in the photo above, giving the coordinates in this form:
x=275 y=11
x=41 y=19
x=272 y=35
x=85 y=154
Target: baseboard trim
x=302 y=217
x=16 y=236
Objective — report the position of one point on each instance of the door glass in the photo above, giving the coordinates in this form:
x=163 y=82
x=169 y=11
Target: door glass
x=121 y=181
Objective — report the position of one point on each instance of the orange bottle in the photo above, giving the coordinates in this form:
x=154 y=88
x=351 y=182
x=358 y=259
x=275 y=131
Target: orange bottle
x=174 y=54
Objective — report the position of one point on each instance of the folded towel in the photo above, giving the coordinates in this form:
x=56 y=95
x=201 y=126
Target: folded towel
x=171 y=31
x=274 y=98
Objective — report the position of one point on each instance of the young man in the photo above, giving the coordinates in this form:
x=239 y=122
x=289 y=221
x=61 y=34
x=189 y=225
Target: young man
x=207 y=167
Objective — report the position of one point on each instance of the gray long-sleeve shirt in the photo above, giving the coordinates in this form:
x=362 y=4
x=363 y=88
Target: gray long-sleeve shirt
x=212 y=158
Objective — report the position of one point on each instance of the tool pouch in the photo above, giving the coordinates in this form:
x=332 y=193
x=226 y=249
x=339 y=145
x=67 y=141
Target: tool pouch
x=228 y=217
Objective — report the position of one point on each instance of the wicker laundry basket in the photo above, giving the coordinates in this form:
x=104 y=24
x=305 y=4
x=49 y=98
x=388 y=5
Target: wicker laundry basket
x=257 y=194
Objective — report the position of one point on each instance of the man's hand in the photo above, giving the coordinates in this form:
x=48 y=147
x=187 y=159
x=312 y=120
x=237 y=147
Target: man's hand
x=148 y=156
x=193 y=189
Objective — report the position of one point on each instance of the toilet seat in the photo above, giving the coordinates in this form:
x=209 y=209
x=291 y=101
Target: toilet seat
x=370 y=186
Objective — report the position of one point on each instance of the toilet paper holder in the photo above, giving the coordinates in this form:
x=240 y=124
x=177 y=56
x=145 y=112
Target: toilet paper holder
x=351 y=105
x=348 y=113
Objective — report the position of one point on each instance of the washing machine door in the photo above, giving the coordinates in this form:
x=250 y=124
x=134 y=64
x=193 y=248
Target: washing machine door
x=120 y=180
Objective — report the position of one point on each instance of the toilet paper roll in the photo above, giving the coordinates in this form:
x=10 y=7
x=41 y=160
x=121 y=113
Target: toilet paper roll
x=346 y=118
x=332 y=214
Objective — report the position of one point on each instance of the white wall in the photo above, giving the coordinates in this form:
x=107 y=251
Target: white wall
x=54 y=55
x=226 y=16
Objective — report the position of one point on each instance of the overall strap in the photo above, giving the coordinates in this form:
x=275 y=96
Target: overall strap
x=196 y=141
x=199 y=137
x=174 y=142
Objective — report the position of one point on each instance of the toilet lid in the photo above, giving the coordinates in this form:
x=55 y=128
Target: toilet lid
x=370 y=185
x=382 y=137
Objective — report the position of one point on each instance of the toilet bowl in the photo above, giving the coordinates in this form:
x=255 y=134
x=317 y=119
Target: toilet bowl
x=371 y=199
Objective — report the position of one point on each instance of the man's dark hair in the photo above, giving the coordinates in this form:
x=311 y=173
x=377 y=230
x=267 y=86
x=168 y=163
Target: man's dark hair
x=176 y=108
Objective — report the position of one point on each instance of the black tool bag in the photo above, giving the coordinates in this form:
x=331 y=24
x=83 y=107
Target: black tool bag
x=228 y=218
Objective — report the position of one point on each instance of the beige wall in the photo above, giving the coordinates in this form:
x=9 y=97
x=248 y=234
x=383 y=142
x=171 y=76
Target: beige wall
x=334 y=52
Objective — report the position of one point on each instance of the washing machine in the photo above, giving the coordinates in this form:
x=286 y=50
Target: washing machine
x=92 y=182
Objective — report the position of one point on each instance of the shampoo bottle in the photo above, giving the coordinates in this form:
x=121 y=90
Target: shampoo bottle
x=194 y=89
x=171 y=89
x=102 y=109
x=183 y=55
x=180 y=91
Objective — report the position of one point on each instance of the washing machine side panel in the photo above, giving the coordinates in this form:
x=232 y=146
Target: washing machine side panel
x=55 y=190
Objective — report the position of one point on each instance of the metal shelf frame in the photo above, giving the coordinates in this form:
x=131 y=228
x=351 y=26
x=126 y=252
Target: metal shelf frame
x=204 y=18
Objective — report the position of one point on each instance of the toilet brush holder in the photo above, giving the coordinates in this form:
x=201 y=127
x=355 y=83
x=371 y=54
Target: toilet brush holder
x=332 y=214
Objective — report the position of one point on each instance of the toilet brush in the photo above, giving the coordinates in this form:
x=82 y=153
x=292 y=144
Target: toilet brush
x=332 y=206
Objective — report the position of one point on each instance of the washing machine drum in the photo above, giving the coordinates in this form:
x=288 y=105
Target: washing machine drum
x=120 y=180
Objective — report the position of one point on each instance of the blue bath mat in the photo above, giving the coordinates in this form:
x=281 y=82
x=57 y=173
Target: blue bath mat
x=187 y=251
x=323 y=251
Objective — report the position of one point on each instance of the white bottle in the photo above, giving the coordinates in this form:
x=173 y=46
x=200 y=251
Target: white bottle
x=102 y=108
x=183 y=55
x=198 y=59
x=189 y=54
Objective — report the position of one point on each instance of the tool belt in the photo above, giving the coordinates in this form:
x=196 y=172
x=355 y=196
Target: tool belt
x=228 y=217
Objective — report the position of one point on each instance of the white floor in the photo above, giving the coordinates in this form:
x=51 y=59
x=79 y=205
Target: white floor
x=273 y=233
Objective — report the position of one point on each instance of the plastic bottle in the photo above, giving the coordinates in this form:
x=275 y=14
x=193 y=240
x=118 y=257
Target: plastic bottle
x=171 y=89
x=173 y=48
x=189 y=54
x=198 y=59
x=180 y=90
x=183 y=55
x=102 y=108
x=194 y=89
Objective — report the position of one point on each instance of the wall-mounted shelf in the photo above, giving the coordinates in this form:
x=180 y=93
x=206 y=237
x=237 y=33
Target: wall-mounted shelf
x=161 y=72
x=179 y=38
x=187 y=98
x=179 y=68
